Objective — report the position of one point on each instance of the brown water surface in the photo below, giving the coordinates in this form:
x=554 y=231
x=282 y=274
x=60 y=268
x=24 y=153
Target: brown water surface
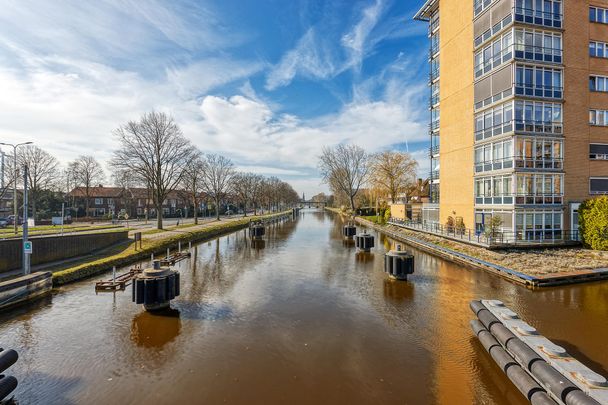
x=298 y=319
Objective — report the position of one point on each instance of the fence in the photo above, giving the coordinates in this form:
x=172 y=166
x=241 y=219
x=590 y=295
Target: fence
x=529 y=237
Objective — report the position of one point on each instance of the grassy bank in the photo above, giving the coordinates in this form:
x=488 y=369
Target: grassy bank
x=125 y=254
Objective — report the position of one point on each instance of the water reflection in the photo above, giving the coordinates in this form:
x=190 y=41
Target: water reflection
x=398 y=291
x=304 y=320
x=154 y=330
x=258 y=244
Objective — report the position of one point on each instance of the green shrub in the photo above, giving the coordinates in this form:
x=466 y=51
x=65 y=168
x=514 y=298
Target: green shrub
x=593 y=223
x=387 y=215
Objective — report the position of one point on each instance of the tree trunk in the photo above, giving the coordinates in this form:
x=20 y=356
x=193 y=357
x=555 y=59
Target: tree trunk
x=195 y=213
x=352 y=203
x=86 y=206
x=159 y=215
x=217 y=209
x=245 y=208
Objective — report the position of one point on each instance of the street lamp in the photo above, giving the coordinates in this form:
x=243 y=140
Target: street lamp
x=15 y=211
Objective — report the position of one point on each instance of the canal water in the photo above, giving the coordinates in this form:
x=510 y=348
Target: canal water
x=303 y=319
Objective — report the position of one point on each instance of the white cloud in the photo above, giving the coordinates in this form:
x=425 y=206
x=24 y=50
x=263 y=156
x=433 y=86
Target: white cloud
x=310 y=58
x=315 y=56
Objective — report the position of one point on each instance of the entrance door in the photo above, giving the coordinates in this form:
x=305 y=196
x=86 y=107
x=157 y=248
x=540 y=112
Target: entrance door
x=480 y=222
x=574 y=220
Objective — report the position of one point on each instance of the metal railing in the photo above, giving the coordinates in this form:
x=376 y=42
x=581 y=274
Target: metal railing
x=526 y=237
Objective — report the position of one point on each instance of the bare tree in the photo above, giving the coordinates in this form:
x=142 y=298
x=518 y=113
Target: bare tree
x=156 y=150
x=217 y=174
x=345 y=169
x=43 y=172
x=393 y=172
x=8 y=176
x=193 y=180
x=86 y=173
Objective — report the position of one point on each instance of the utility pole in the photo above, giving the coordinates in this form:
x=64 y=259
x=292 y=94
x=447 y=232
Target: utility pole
x=15 y=210
x=26 y=245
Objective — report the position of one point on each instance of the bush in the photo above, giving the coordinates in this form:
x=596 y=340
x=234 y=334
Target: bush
x=387 y=215
x=593 y=223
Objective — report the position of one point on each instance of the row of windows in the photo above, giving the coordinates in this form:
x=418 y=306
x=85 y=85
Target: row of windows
x=539 y=12
x=598 y=49
x=598 y=117
x=494 y=55
x=598 y=151
x=529 y=44
x=538 y=81
x=598 y=83
x=598 y=185
x=538 y=45
x=529 y=153
x=530 y=116
x=597 y=14
x=526 y=184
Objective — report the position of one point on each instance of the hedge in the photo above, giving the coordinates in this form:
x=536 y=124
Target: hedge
x=593 y=223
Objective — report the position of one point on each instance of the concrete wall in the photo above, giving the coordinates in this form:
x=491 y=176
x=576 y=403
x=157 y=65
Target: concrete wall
x=578 y=134
x=456 y=103
x=52 y=248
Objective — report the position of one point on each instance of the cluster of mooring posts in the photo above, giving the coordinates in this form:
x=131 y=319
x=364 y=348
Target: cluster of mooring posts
x=156 y=286
x=543 y=371
x=8 y=383
x=397 y=263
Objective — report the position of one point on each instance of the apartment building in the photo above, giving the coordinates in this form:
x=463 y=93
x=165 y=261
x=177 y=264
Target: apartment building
x=522 y=86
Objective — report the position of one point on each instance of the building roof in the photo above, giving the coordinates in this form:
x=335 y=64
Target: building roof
x=424 y=14
x=98 y=191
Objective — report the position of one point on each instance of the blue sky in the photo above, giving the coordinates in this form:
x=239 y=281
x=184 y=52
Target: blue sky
x=266 y=82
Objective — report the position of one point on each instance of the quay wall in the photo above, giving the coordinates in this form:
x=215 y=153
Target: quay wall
x=52 y=248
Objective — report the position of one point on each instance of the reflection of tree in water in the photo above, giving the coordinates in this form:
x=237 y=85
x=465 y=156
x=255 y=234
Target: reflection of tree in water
x=154 y=330
x=364 y=257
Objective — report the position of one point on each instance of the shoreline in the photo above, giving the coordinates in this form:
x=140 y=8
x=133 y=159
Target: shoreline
x=466 y=255
x=129 y=255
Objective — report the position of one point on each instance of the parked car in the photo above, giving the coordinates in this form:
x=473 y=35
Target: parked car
x=3 y=222
x=11 y=220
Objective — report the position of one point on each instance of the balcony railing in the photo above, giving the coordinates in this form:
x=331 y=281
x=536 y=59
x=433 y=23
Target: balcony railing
x=519 y=199
x=536 y=17
x=538 y=53
x=434 y=100
x=524 y=89
x=495 y=130
x=434 y=174
x=519 y=163
x=544 y=127
x=434 y=150
x=434 y=125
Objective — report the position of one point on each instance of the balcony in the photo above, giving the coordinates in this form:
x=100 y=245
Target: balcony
x=537 y=17
x=434 y=126
x=434 y=150
x=543 y=199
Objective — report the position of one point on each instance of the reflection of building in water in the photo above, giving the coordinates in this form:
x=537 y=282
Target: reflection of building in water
x=155 y=330
x=398 y=291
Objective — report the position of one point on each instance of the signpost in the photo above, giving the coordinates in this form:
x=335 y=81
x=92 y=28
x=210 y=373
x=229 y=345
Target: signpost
x=27 y=245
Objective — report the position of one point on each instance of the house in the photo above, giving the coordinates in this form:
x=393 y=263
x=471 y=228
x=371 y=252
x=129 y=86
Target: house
x=136 y=202
x=411 y=202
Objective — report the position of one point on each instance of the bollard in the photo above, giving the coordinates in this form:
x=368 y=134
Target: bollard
x=7 y=359
x=364 y=241
x=155 y=287
x=7 y=385
x=168 y=252
x=398 y=264
x=179 y=247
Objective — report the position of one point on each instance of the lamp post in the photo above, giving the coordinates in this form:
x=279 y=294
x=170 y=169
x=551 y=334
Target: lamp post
x=15 y=210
